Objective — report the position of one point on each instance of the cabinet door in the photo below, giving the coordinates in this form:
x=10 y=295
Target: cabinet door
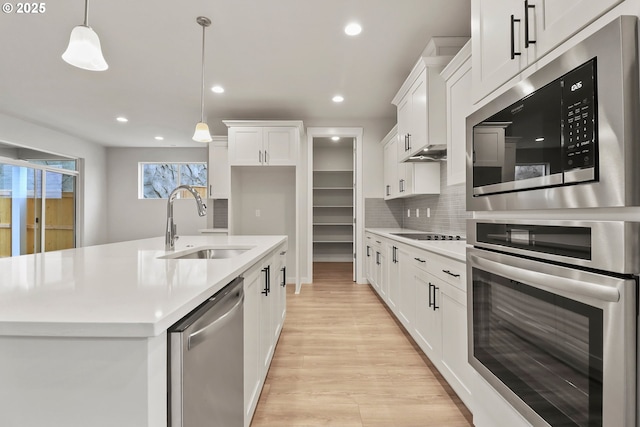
x=491 y=29
x=418 y=125
x=459 y=106
x=382 y=272
x=252 y=362
x=280 y=146
x=406 y=300
x=427 y=326
x=390 y=169
x=551 y=22
x=455 y=365
x=245 y=146
x=219 y=172
x=282 y=292
x=266 y=324
x=404 y=125
x=393 y=279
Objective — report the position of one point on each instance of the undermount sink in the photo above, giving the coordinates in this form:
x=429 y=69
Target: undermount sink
x=207 y=253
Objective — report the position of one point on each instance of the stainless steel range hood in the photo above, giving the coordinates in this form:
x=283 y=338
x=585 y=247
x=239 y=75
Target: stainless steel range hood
x=432 y=153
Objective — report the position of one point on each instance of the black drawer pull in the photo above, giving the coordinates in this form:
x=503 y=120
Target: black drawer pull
x=420 y=260
x=450 y=273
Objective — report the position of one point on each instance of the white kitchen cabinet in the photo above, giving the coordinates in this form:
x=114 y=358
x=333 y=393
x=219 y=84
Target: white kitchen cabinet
x=393 y=277
x=501 y=45
x=264 y=312
x=418 y=178
x=421 y=107
x=428 y=325
x=390 y=164
x=381 y=270
x=252 y=362
x=218 y=169
x=263 y=144
x=457 y=77
x=427 y=293
x=406 y=286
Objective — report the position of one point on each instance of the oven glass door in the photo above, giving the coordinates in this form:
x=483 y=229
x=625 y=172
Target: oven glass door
x=530 y=337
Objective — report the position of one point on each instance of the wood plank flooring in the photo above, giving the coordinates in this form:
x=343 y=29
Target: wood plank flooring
x=342 y=360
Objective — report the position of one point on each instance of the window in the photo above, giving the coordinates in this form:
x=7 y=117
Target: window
x=157 y=180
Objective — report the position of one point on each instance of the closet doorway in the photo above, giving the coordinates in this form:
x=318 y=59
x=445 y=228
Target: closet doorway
x=334 y=194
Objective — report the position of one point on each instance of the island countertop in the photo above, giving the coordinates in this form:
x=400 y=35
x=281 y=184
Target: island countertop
x=116 y=290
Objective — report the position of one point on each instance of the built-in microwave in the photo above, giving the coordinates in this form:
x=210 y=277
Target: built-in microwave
x=567 y=135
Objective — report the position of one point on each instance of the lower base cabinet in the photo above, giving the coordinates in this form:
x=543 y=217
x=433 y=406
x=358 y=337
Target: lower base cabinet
x=427 y=293
x=264 y=313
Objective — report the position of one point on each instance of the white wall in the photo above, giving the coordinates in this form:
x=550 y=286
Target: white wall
x=27 y=134
x=131 y=218
x=272 y=191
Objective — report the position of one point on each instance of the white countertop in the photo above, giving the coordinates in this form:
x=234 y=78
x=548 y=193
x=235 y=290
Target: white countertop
x=455 y=249
x=116 y=290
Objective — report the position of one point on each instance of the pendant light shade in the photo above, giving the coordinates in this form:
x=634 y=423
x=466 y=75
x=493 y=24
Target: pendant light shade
x=84 y=49
x=202 y=129
x=202 y=133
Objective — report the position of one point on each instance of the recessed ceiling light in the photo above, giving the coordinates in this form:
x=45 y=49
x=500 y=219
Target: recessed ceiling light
x=122 y=119
x=217 y=89
x=353 y=29
x=335 y=138
x=159 y=138
x=337 y=98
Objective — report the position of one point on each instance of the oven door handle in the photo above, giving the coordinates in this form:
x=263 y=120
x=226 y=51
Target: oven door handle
x=547 y=281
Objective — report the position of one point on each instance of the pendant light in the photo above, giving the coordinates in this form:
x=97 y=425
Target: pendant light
x=202 y=130
x=84 y=49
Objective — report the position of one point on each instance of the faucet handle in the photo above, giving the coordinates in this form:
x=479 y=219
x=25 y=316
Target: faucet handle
x=175 y=231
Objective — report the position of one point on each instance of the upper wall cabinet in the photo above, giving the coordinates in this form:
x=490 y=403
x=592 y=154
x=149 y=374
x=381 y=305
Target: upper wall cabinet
x=509 y=35
x=459 y=105
x=219 y=173
x=421 y=99
x=263 y=143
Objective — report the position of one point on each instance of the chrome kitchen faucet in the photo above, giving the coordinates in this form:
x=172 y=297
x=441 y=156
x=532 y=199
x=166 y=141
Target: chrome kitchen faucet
x=171 y=236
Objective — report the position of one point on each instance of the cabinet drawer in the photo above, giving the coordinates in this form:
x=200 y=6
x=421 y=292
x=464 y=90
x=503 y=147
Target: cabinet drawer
x=451 y=271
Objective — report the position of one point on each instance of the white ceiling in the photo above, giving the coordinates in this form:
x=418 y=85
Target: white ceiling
x=277 y=59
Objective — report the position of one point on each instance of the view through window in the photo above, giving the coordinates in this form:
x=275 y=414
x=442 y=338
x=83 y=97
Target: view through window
x=159 y=179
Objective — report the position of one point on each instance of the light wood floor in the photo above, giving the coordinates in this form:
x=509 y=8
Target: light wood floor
x=342 y=360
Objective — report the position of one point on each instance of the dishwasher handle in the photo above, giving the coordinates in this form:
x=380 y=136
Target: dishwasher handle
x=206 y=331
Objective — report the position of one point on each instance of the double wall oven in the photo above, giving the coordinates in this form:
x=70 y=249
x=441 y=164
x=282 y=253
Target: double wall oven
x=552 y=302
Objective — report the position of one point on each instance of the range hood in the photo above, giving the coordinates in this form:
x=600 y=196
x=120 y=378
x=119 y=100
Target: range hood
x=432 y=153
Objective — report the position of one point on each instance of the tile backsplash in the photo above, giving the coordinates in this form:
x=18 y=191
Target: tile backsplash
x=448 y=210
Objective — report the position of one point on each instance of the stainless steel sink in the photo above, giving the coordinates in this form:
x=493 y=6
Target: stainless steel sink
x=207 y=253
x=213 y=254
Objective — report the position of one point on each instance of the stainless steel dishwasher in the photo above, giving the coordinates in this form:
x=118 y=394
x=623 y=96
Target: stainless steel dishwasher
x=206 y=363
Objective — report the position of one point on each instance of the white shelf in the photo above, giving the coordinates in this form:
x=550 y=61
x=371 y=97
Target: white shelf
x=333 y=206
x=333 y=223
x=333 y=188
x=332 y=170
x=333 y=241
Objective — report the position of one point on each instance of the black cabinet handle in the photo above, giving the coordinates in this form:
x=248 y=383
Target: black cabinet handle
x=513 y=38
x=265 y=291
x=388 y=190
x=378 y=258
x=435 y=304
x=527 y=6
x=408 y=141
x=430 y=300
x=394 y=256
x=450 y=273
x=420 y=260
x=368 y=247
x=268 y=279
x=284 y=276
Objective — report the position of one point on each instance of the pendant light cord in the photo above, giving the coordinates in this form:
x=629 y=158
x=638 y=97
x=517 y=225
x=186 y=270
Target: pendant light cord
x=202 y=92
x=86 y=13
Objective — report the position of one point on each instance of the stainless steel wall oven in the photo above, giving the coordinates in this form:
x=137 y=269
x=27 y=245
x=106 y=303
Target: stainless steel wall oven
x=553 y=317
x=565 y=137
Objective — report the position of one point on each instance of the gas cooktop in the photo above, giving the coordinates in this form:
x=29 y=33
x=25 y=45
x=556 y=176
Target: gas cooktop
x=428 y=236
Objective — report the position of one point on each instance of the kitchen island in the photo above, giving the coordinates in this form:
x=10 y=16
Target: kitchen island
x=83 y=331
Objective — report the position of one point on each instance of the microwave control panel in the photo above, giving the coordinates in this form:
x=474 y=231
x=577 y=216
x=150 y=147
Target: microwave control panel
x=579 y=117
